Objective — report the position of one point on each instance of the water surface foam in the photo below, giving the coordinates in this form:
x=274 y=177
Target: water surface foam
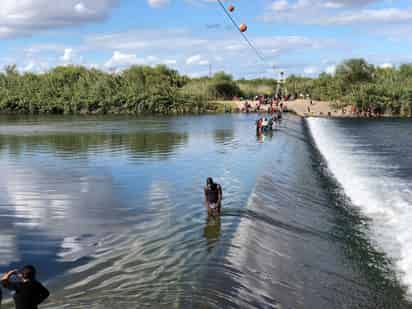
x=369 y=180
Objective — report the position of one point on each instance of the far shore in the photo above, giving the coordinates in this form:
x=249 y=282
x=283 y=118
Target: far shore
x=302 y=108
x=305 y=108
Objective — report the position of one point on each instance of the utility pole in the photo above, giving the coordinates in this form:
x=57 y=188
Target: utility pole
x=281 y=87
x=210 y=70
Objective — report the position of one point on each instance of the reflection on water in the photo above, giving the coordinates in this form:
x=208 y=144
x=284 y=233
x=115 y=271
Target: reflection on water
x=111 y=212
x=264 y=136
x=212 y=231
x=224 y=136
x=145 y=144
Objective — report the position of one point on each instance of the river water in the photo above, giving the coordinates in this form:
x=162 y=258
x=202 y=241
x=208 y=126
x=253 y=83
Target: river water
x=110 y=210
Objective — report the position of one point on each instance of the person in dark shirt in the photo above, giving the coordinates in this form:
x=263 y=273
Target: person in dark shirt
x=28 y=292
x=213 y=197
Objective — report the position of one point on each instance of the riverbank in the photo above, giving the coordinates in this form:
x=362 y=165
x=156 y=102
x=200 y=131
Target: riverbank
x=302 y=108
x=308 y=108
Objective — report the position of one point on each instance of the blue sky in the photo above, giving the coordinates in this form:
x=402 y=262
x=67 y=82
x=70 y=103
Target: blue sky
x=303 y=37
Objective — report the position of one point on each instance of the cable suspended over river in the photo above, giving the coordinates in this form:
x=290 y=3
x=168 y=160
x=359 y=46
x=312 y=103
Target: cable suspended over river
x=260 y=56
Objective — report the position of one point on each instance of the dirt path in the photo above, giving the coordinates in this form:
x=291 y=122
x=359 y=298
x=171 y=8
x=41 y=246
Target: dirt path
x=317 y=108
x=303 y=108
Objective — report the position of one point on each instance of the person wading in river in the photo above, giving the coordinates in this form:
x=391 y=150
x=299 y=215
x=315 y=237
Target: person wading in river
x=28 y=292
x=213 y=197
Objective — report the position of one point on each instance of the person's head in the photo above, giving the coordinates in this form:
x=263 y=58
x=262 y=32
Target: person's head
x=28 y=272
x=209 y=182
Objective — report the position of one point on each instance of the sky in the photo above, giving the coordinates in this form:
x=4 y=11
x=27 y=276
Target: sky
x=304 y=37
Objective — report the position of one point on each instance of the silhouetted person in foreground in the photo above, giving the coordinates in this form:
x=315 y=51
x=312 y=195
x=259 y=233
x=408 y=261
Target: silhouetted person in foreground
x=28 y=292
x=213 y=197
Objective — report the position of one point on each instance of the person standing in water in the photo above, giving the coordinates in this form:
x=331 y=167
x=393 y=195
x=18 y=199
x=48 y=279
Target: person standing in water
x=28 y=292
x=259 y=126
x=213 y=197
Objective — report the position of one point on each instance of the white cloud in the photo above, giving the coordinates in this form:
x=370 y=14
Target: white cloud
x=279 y=5
x=386 y=65
x=187 y=51
x=169 y=61
x=154 y=60
x=68 y=55
x=44 y=48
x=35 y=66
x=165 y=39
x=331 y=69
x=340 y=12
x=197 y=74
x=311 y=70
x=80 y=8
x=93 y=66
x=348 y=3
x=183 y=50
x=394 y=33
x=196 y=60
x=29 y=67
x=390 y=15
x=121 y=60
x=333 y=5
x=185 y=43
x=218 y=58
x=24 y=17
x=158 y=3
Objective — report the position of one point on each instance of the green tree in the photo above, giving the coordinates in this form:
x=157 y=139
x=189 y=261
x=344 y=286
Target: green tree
x=355 y=71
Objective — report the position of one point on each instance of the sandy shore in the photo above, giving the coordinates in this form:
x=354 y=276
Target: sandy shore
x=317 y=108
x=303 y=108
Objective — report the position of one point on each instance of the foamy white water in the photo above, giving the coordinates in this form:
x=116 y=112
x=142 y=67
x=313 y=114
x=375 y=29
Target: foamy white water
x=368 y=180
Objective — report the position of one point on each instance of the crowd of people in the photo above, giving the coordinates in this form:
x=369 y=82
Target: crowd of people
x=366 y=112
x=265 y=104
x=266 y=124
x=275 y=107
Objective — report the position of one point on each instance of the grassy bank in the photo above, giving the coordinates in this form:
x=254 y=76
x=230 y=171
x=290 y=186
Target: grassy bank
x=161 y=90
x=77 y=90
x=137 y=90
x=358 y=83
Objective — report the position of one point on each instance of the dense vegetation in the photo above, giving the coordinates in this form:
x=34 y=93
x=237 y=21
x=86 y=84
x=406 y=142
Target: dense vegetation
x=363 y=85
x=137 y=90
x=74 y=90
x=143 y=89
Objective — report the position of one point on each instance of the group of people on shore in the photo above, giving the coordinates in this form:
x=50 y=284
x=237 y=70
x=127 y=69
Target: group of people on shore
x=263 y=104
x=367 y=112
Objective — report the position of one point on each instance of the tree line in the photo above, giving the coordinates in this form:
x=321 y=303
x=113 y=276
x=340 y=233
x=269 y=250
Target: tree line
x=362 y=85
x=78 y=90
x=145 y=89
x=136 y=90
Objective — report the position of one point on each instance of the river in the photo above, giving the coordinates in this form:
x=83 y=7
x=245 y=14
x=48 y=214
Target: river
x=110 y=210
